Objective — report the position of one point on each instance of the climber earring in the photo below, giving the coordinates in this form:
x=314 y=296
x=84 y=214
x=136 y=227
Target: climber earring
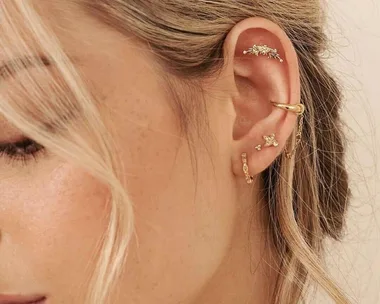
x=270 y=141
x=263 y=50
x=248 y=177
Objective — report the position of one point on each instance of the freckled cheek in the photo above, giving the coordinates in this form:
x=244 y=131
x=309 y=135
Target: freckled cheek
x=60 y=216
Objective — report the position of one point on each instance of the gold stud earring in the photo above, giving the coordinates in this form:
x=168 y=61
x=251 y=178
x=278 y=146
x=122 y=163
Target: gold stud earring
x=265 y=51
x=248 y=177
x=298 y=109
x=270 y=141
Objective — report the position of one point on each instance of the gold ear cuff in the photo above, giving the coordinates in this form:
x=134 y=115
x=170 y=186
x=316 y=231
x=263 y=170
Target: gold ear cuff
x=298 y=109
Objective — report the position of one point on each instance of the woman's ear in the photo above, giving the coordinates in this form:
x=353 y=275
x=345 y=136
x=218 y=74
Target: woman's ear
x=264 y=65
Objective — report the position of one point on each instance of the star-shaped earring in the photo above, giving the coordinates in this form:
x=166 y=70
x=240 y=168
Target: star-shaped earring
x=270 y=140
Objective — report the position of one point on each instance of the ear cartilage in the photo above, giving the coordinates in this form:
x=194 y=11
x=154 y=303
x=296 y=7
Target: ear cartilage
x=265 y=51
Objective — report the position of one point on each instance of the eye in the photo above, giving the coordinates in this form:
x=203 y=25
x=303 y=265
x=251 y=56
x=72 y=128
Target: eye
x=22 y=150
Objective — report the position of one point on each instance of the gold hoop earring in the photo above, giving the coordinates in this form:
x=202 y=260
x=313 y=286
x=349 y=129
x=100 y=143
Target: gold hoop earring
x=298 y=109
x=248 y=177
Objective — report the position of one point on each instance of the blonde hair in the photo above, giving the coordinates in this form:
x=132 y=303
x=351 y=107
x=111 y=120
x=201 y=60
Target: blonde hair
x=306 y=200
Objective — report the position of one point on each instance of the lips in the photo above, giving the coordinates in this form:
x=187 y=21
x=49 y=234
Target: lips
x=19 y=299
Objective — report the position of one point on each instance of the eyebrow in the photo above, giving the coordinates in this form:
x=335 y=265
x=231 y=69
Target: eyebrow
x=11 y=67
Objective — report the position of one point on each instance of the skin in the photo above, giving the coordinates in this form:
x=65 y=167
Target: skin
x=209 y=246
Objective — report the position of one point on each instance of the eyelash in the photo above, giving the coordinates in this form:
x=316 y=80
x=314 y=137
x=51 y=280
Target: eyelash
x=21 y=151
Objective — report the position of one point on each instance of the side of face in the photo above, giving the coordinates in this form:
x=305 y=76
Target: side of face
x=53 y=213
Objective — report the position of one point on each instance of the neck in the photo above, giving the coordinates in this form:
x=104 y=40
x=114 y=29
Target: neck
x=247 y=274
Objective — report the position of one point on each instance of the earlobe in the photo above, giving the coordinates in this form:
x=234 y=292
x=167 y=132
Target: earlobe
x=266 y=72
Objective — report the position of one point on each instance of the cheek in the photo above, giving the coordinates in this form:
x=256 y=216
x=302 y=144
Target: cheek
x=183 y=219
x=52 y=223
x=183 y=235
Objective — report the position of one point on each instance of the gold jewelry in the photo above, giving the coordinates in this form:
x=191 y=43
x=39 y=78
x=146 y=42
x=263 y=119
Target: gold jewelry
x=248 y=177
x=263 y=50
x=298 y=109
x=270 y=141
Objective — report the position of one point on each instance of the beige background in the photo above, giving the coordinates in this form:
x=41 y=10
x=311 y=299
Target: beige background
x=355 y=29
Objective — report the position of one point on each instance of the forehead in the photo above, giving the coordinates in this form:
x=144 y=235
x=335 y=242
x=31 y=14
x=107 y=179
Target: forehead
x=91 y=45
x=52 y=12
x=28 y=30
x=39 y=24
x=23 y=24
